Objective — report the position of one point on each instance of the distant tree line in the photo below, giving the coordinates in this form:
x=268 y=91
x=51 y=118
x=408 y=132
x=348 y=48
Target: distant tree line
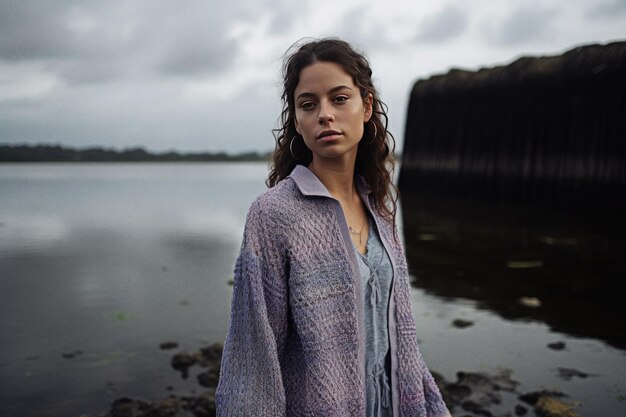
x=58 y=153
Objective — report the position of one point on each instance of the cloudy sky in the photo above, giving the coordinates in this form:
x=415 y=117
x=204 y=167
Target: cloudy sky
x=204 y=75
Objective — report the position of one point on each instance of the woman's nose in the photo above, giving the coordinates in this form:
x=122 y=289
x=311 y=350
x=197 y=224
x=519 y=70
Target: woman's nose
x=326 y=117
x=326 y=114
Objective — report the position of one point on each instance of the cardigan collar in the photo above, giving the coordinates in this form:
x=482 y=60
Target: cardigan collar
x=309 y=184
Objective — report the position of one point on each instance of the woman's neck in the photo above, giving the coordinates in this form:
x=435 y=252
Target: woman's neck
x=337 y=176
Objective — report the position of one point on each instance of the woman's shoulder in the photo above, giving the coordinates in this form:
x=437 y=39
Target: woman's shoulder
x=276 y=204
x=276 y=197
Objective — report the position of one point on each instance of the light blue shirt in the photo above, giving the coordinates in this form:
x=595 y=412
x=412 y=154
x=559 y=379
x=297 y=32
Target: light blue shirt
x=376 y=273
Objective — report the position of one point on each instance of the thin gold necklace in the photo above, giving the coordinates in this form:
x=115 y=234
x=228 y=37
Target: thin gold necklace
x=354 y=232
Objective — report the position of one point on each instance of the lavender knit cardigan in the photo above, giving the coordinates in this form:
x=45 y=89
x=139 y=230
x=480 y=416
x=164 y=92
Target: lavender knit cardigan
x=295 y=343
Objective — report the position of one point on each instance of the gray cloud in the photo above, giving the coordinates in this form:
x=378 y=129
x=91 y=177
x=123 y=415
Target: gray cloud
x=450 y=22
x=193 y=40
x=30 y=30
x=362 y=30
x=198 y=58
x=610 y=9
x=101 y=41
x=285 y=14
x=524 y=25
x=282 y=21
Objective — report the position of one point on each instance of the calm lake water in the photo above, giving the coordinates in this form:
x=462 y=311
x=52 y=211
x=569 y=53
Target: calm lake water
x=100 y=263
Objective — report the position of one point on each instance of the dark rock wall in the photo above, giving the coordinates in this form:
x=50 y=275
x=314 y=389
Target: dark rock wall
x=546 y=132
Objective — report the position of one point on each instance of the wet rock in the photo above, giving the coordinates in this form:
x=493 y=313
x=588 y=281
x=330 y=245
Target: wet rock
x=557 y=345
x=549 y=407
x=168 y=345
x=127 y=407
x=457 y=392
x=524 y=264
x=169 y=406
x=461 y=324
x=209 y=378
x=213 y=353
x=520 y=410
x=182 y=361
x=532 y=397
x=122 y=407
x=503 y=381
x=72 y=355
x=477 y=392
x=475 y=408
x=209 y=356
x=530 y=302
x=569 y=373
x=196 y=405
x=202 y=405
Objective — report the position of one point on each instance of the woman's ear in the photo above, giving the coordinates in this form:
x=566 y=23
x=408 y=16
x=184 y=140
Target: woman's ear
x=368 y=105
x=297 y=126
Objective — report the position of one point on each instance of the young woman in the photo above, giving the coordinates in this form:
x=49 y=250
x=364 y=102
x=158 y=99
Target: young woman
x=321 y=320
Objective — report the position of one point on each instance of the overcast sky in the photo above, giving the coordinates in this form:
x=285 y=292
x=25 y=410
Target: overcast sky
x=205 y=75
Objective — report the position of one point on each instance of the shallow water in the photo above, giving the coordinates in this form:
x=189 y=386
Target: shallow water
x=102 y=262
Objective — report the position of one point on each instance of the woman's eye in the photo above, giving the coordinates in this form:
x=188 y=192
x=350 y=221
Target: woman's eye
x=340 y=99
x=307 y=105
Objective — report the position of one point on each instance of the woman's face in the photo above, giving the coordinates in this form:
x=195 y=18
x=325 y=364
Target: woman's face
x=330 y=112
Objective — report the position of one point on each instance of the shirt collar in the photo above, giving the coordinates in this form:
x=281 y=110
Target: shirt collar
x=309 y=184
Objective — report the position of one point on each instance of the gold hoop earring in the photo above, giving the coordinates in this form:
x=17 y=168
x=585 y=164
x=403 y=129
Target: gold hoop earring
x=291 y=147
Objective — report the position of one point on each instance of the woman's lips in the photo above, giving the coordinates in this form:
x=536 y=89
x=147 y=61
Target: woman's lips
x=329 y=135
x=329 y=138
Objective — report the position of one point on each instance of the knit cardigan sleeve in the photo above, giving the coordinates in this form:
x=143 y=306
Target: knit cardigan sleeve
x=250 y=381
x=434 y=404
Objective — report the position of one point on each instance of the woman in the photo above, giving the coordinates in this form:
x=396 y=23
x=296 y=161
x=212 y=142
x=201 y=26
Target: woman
x=321 y=320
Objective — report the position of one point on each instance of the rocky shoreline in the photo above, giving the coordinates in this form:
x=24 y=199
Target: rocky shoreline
x=471 y=395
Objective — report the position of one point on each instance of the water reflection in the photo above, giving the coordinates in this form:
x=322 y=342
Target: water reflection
x=109 y=260
x=521 y=263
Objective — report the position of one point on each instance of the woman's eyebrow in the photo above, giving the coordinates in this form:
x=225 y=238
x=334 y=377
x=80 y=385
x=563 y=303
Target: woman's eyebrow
x=332 y=90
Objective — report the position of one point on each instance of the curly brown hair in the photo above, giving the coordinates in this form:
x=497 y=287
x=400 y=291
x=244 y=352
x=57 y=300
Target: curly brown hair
x=374 y=160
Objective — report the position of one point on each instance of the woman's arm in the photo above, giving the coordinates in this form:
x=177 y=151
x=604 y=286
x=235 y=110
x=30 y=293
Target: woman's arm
x=250 y=378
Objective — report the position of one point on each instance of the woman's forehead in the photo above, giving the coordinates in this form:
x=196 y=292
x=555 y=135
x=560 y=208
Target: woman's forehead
x=322 y=77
